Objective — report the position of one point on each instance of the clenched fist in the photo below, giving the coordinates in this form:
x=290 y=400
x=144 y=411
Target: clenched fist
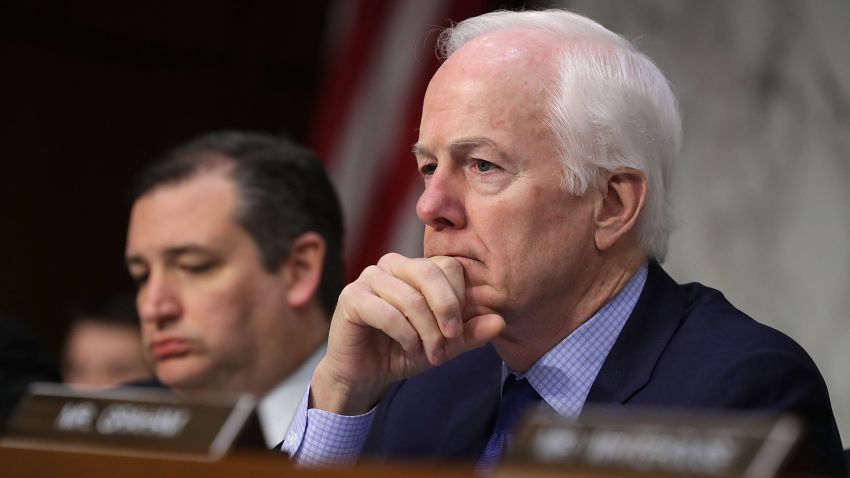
x=400 y=318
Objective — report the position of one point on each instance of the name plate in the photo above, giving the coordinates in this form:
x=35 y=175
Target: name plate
x=707 y=444
x=133 y=420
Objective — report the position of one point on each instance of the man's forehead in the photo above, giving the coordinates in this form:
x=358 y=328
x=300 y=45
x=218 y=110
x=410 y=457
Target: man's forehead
x=512 y=48
x=509 y=66
x=477 y=100
x=195 y=211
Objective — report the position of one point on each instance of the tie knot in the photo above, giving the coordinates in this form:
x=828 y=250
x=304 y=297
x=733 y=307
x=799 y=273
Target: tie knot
x=517 y=395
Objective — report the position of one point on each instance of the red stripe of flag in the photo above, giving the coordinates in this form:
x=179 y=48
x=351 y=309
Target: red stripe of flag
x=353 y=56
x=385 y=208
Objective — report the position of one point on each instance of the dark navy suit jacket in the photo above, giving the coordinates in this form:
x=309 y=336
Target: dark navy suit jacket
x=684 y=346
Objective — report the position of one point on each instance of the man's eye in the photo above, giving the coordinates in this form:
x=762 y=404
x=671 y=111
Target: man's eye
x=428 y=169
x=139 y=278
x=138 y=272
x=196 y=268
x=483 y=166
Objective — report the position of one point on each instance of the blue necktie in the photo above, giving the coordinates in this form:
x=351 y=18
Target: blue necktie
x=517 y=396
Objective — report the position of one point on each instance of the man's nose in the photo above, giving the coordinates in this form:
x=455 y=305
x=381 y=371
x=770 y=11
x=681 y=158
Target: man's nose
x=441 y=204
x=158 y=301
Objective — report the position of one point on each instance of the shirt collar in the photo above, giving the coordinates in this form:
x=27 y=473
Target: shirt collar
x=563 y=376
x=276 y=409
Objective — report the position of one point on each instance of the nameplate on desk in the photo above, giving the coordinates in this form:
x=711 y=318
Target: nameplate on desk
x=699 y=443
x=134 y=420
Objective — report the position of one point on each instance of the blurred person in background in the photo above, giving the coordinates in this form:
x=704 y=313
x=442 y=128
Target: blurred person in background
x=235 y=242
x=103 y=346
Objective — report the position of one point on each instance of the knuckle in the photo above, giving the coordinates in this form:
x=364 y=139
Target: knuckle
x=446 y=308
x=354 y=290
x=348 y=292
x=351 y=301
x=389 y=258
x=443 y=262
x=416 y=301
x=369 y=272
x=428 y=270
x=453 y=266
x=386 y=315
x=350 y=288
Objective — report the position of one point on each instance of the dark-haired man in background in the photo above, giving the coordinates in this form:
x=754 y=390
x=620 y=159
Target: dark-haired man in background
x=235 y=242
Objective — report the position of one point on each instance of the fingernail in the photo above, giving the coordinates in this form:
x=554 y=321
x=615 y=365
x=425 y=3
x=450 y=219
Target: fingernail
x=439 y=356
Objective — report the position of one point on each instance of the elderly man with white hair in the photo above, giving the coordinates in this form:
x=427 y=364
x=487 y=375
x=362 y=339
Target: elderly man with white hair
x=546 y=147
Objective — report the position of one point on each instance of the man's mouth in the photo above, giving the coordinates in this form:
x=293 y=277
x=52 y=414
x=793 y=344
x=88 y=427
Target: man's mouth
x=467 y=261
x=165 y=349
x=461 y=256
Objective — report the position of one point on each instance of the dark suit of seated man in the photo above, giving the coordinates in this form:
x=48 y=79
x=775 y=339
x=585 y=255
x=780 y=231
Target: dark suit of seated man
x=546 y=146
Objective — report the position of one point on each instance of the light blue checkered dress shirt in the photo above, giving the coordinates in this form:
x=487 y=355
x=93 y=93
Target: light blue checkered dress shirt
x=563 y=377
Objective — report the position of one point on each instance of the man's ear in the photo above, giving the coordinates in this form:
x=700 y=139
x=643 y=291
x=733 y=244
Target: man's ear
x=303 y=268
x=618 y=206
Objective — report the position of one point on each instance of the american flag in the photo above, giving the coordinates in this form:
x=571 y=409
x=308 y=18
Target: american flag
x=380 y=57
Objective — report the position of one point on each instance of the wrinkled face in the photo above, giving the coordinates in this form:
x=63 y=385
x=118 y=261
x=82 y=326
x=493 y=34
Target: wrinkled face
x=209 y=310
x=100 y=355
x=492 y=179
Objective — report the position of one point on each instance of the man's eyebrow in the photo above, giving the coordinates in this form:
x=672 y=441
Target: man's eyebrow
x=419 y=150
x=473 y=142
x=171 y=253
x=177 y=251
x=462 y=143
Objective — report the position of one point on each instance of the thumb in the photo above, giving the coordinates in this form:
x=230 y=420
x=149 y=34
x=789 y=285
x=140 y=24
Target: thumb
x=477 y=331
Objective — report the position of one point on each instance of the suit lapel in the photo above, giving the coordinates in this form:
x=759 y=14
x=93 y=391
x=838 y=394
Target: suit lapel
x=653 y=322
x=473 y=413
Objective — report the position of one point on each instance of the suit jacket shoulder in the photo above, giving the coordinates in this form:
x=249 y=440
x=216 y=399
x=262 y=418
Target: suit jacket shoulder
x=686 y=346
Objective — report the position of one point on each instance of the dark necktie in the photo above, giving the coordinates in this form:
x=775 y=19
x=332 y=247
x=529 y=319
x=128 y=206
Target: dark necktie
x=517 y=396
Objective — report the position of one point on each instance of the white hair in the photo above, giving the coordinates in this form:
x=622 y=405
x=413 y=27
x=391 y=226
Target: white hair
x=611 y=108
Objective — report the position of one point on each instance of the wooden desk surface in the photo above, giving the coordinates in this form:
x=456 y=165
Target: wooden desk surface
x=32 y=463
x=41 y=463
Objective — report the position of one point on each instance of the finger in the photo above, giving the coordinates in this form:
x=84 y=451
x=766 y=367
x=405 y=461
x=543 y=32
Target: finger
x=365 y=308
x=432 y=283
x=413 y=306
x=479 y=300
x=477 y=331
x=453 y=270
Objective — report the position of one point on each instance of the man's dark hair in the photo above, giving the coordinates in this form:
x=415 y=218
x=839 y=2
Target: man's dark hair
x=119 y=310
x=284 y=191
